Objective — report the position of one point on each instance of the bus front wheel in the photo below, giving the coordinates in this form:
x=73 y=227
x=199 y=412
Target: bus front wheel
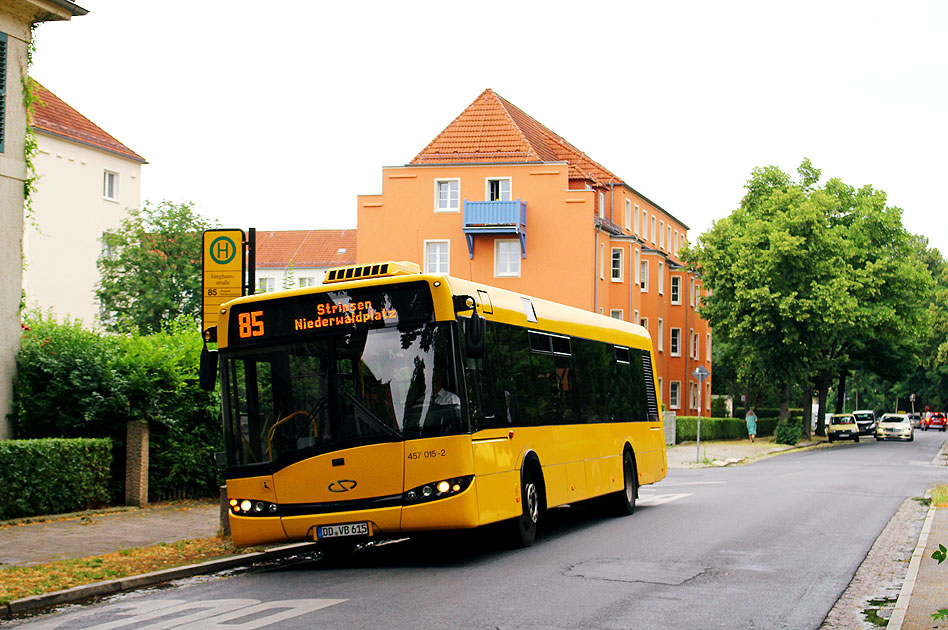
x=624 y=501
x=526 y=523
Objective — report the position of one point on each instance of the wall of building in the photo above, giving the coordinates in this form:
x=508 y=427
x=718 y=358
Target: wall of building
x=275 y=278
x=71 y=213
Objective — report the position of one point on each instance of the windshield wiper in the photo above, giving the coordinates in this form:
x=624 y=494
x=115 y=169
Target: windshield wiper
x=372 y=418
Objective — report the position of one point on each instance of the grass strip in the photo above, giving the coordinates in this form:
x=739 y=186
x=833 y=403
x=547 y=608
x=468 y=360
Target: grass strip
x=17 y=582
x=940 y=495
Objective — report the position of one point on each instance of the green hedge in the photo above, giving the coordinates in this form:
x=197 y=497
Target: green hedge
x=75 y=382
x=686 y=429
x=54 y=475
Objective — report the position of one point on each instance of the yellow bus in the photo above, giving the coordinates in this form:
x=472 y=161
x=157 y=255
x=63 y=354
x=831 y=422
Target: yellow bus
x=386 y=401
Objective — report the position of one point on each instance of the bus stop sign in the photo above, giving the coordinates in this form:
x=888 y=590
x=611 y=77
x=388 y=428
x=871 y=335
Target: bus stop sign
x=701 y=373
x=223 y=267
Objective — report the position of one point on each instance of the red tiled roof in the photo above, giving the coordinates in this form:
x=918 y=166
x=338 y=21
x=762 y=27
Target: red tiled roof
x=306 y=248
x=492 y=129
x=52 y=115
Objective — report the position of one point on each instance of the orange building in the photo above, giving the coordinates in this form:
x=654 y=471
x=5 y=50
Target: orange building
x=499 y=198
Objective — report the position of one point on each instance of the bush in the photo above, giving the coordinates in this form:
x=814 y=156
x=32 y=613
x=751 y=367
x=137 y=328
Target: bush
x=686 y=429
x=788 y=432
x=97 y=383
x=52 y=476
x=718 y=408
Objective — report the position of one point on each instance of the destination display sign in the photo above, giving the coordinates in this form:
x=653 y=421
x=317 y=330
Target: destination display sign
x=330 y=311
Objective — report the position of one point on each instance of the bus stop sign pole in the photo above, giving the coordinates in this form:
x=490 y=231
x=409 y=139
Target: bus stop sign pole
x=700 y=374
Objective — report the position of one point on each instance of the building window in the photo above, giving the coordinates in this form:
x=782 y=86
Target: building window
x=661 y=278
x=644 y=225
x=506 y=258
x=661 y=234
x=674 y=342
x=307 y=281
x=691 y=343
x=602 y=204
x=635 y=213
x=661 y=334
x=602 y=261
x=3 y=90
x=693 y=402
x=638 y=268
x=660 y=392
x=628 y=214
x=643 y=270
x=676 y=290
x=266 y=285
x=707 y=396
x=617 y=313
x=644 y=323
x=438 y=257
x=691 y=290
x=674 y=395
x=669 y=231
x=654 y=230
x=707 y=347
x=635 y=316
x=110 y=185
x=676 y=244
x=618 y=263
x=498 y=189
x=447 y=195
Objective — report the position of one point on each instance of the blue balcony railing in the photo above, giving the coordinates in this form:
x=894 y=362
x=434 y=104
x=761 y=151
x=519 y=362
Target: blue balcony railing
x=495 y=217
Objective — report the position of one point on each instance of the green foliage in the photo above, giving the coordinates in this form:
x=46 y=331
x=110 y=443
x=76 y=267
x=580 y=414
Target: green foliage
x=288 y=279
x=151 y=274
x=940 y=554
x=686 y=428
x=73 y=382
x=788 y=432
x=718 y=408
x=52 y=476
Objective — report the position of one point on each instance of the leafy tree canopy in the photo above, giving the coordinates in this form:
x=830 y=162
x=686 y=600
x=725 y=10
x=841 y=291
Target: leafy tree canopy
x=150 y=273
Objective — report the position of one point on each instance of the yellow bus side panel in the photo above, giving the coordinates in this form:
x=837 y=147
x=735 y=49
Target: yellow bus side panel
x=604 y=475
x=246 y=531
x=576 y=479
x=498 y=496
x=457 y=512
x=556 y=485
x=376 y=471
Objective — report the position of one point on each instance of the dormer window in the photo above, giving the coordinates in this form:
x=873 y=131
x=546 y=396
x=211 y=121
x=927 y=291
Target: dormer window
x=498 y=189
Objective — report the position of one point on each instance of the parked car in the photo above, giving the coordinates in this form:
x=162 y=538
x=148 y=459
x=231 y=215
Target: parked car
x=842 y=426
x=935 y=420
x=895 y=426
x=915 y=419
x=866 y=419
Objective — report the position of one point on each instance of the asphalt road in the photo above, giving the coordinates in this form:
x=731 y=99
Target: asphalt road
x=770 y=545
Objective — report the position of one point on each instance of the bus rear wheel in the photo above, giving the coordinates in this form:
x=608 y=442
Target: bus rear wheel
x=624 y=500
x=526 y=524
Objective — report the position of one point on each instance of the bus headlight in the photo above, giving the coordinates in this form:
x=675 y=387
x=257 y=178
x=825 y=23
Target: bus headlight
x=247 y=507
x=438 y=490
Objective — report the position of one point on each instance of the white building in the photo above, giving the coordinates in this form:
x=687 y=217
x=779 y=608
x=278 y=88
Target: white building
x=16 y=20
x=87 y=182
x=299 y=258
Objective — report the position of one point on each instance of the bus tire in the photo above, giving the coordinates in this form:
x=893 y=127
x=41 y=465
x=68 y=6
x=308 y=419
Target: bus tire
x=624 y=501
x=525 y=531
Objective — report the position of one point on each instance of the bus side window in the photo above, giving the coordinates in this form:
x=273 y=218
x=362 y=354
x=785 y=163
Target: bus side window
x=477 y=381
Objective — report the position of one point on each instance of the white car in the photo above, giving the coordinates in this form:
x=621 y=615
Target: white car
x=895 y=426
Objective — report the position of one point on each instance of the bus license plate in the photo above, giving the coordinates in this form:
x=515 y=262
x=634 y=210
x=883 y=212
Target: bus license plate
x=338 y=531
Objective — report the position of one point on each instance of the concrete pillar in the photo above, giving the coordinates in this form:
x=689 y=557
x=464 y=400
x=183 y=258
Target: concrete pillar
x=669 y=419
x=225 y=512
x=136 y=463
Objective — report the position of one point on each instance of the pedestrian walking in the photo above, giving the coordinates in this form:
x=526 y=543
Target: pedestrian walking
x=751 y=419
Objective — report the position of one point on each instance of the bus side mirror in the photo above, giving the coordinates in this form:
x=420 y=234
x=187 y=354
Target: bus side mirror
x=474 y=334
x=207 y=371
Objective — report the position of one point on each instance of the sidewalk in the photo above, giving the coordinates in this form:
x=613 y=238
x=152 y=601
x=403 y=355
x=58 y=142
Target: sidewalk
x=925 y=589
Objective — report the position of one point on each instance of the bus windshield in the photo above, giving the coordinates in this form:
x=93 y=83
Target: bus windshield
x=285 y=402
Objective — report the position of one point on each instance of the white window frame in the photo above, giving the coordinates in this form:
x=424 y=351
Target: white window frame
x=437 y=264
x=676 y=280
x=638 y=267
x=668 y=229
x=110 y=185
x=617 y=313
x=674 y=395
x=643 y=266
x=635 y=316
x=307 y=281
x=707 y=346
x=635 y=213
x=644 y=233
x=691 y=284
x=437 y=195
x=674 y=342
x=691 y=343
x=693 y=395
x=660 y=392
x=644 y=323
x=512 y=248
x=602 y=261
x=628 y=215
x=661 y=278
x=661 y=334
x=654 y=229
x=602 y=204
x=617 y=273
x=661 y=234
x=509 y=181
x=676 y=244
x=266 y=284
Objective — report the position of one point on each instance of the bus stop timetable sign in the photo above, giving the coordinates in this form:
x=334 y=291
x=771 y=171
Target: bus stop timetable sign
x=223 y=271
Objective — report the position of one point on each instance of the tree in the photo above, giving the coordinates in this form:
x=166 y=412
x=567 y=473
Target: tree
x=151 y=272
x=808 y=282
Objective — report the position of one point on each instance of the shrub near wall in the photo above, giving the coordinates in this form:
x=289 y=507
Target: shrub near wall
x=52 y=476
x=686 y=429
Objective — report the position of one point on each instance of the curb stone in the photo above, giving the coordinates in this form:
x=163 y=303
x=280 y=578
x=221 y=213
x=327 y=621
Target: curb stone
x=119 y=585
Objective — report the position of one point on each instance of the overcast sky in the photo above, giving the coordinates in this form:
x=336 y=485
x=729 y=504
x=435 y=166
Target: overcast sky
x=276 y=115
